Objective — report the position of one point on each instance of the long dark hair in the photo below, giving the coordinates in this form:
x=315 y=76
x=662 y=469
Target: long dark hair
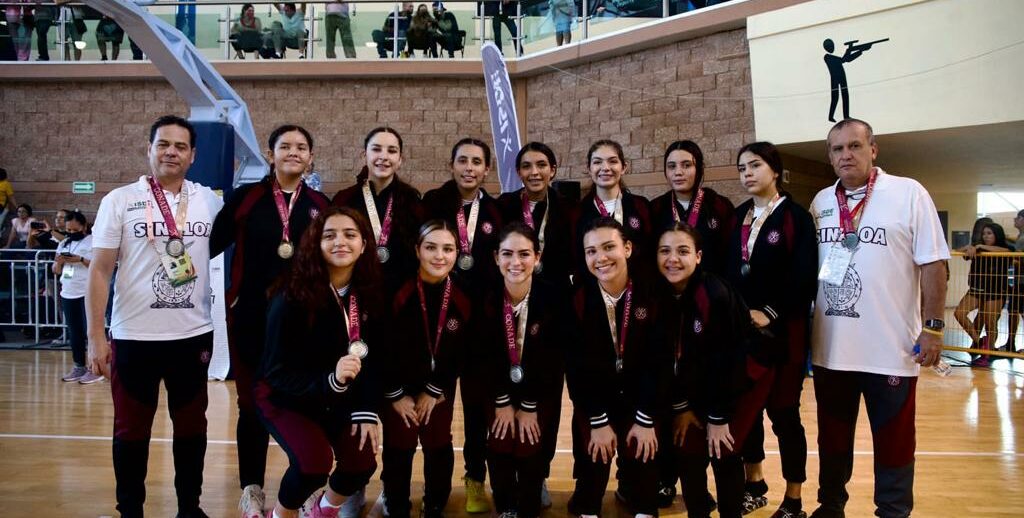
x=470 y=141
x=539 y=147
x=281 y=130
x=308 y=281
x=364 y=173
x=770 y=154
x=618 y=152
x=518 y=227
x=1000 y=234
x=681 y=226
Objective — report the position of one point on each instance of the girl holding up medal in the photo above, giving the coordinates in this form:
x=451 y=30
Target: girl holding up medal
x=712 y=404
x=464 y=204
x=264 y=220
x=526 y=327
x=688 y=201
x=619 y=366
x=772 y=262
x=608 y=198
x=543 y=209
x=431 y=319
x=320 y=387
x=392 y=206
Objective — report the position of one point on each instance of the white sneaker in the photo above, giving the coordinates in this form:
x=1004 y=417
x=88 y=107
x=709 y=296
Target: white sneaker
x=252 y=501
x=353 y=505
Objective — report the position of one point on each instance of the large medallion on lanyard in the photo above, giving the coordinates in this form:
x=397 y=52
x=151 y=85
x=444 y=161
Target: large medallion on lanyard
x=745 y=269
x=383 y=254
x=465 y=262
x=358 y=348
x=850 y=241
x=175 y=247
x=618 y=365
x=516 y=374
x=285 y=250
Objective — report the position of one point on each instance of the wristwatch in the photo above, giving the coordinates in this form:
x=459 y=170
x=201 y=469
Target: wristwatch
x=934 y=324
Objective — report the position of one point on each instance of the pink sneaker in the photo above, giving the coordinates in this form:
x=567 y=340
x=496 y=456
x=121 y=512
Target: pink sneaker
x=319 y=511
x=89 y=378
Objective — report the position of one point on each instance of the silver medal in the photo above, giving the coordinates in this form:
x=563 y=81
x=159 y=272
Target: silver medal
x=358 y=348
x=383 y=254
x=285 y=250
x=745 y=269
x=850 y=241
x=466 y=262
x=516 y=374
x=539 y=267
x=618 y=365
x=175 y=247
x=432 y=365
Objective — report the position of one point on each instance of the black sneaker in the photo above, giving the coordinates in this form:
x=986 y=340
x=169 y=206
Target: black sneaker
x=752 y=503
x=782 y=512
x=195 y=513
x=666 y=494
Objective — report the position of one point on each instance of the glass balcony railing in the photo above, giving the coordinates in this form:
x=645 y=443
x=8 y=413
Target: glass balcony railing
x=233 y=30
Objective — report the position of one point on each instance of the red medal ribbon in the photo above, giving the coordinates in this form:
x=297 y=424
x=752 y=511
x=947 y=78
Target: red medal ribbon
x=165 y=208
x=625 y=319
x=460 y=221
x=351 y=316
x=285 y=211
x=527 y=213
x=601 y=208
x=509 y=321
x=385 y=226
x=442 y=315
x=694 y=213
x=746 y=229
x=846 y=216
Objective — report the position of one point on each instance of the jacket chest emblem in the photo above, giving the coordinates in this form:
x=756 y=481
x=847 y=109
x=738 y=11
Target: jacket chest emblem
x=713 y=223
x=634 y=222
x=698 y=327
x=534 y=329
x=313 y=212
x=774 y=236
x=640 y=313
x=487 y=228
x=453 y=324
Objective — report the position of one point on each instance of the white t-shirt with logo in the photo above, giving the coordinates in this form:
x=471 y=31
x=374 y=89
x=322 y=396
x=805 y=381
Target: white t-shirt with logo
x=146 y=305
x=871 y=321
x=74 y=277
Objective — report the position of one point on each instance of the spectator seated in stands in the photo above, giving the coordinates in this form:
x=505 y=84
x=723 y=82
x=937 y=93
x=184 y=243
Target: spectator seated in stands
x=247 y=32
x=289 y=32
x=451 y=38
x=21 y=226
x=384 y=38
x=108 y=31
x=423 y=33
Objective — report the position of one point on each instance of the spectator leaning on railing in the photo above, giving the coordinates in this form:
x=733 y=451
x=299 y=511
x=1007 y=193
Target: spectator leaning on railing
x=72 y=265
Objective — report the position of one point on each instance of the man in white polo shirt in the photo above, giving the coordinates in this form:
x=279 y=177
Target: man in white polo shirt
x=156 y=231
x=877 y=318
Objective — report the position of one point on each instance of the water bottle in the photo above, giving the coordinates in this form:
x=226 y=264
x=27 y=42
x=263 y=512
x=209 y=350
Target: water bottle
x=941 y=367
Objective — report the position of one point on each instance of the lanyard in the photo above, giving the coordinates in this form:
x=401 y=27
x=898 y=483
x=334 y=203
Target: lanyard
x=618 y=341
x=173 y=223
x=752 y=227
x=528 y=217
x=440 y=316
x=694 y=213
x=467 y=229
x=381 y=231
x=351 y=316
x=604 y=210
x=285 y=211
x=850 y=220
x=515 y=334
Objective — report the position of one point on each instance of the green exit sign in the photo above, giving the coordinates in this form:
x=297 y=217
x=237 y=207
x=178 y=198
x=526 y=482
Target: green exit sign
x=83 y=187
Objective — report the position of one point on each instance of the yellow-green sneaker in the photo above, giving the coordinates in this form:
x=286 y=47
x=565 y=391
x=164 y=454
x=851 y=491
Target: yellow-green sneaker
x=476 y=497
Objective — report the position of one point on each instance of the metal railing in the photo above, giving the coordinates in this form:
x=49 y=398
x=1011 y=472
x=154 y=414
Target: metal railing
x=29 y=291
x=535 y=24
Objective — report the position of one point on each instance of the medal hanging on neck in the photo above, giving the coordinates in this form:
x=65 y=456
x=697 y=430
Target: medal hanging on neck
x=619 y=339
x=750 y=230
x=467 y=230
x=617 y=215
x=528 y=219
x=515 y=335
x=441 y=316
x=849 y=220
x=694 y=212
x=285 y=250
x=356 y=346
x=176 y=261
x=381 y=230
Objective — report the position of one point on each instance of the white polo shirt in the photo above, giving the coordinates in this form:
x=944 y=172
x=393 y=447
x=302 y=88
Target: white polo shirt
x=146 y=305
x=871 y=321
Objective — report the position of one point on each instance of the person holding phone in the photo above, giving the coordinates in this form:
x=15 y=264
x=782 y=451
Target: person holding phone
x=74 y=254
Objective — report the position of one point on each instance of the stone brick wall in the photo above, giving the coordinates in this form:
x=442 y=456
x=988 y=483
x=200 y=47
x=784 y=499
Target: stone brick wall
x=57 y=132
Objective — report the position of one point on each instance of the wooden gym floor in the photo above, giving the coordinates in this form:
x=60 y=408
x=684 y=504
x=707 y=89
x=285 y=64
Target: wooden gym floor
x=55 y=449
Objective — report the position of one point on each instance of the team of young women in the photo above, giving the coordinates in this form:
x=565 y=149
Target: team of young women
x=675 y=324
